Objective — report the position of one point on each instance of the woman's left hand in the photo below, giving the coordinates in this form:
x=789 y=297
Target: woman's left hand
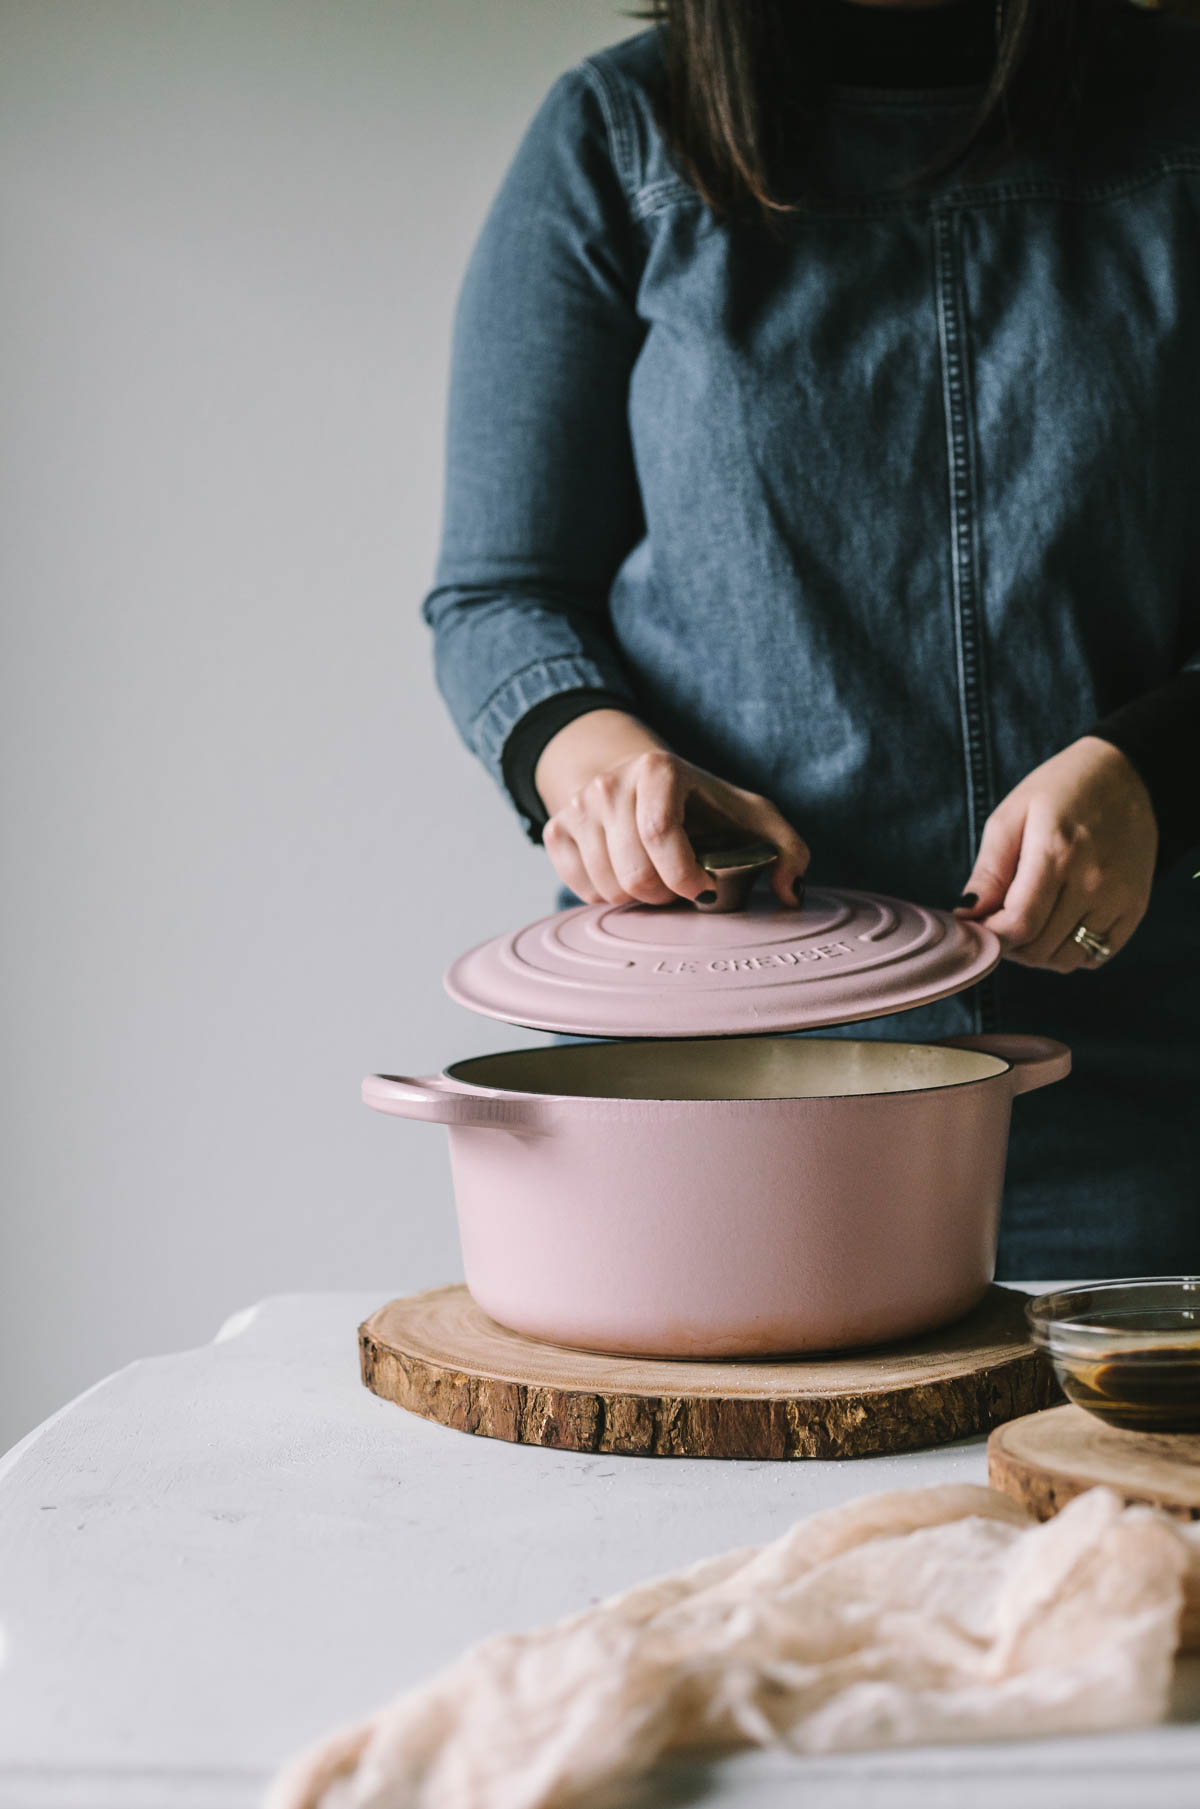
x=1075 y=842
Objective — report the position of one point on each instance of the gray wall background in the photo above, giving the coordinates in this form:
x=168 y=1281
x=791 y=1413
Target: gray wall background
x=241 y=839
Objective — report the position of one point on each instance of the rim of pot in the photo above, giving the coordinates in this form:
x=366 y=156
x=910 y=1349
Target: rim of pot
x=976 y=1067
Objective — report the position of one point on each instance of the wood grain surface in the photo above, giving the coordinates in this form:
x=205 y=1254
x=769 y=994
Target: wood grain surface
x=1048 y=1458
x=439 y=1355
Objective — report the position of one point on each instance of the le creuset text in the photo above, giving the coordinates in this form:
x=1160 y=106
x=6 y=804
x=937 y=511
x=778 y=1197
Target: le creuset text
x=736 y=964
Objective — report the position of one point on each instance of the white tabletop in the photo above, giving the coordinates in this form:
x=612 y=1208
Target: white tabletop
x=212 y=1558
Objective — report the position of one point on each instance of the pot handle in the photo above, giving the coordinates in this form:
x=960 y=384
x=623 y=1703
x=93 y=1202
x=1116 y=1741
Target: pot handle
x=1036 y=1060
x=430 y=1098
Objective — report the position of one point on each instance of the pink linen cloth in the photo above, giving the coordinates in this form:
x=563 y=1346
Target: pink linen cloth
x=918 y=1616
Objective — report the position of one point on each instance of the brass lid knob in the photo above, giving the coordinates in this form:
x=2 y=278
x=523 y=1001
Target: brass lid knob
x=732 y=865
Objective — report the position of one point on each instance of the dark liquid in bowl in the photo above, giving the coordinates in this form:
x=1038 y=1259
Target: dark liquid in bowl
x=1155 y=1390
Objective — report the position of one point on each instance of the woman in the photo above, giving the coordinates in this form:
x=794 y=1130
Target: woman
x=823 y=426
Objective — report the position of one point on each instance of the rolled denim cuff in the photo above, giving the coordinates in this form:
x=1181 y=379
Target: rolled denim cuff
x=532 y=685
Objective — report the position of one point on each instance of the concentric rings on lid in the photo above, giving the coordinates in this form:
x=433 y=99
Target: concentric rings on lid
x=668 y=971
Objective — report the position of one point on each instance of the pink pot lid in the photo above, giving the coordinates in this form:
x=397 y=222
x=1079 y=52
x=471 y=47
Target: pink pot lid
x=650 y=970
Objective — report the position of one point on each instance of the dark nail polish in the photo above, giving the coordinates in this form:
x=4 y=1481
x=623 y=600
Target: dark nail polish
x=798 y=889
x=706 y=898
x=967 y=902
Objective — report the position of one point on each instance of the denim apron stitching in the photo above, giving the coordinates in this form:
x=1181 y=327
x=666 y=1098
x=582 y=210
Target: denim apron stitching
x=964 y=554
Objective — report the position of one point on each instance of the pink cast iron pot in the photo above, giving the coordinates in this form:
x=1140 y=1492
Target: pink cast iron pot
x=729 y=1197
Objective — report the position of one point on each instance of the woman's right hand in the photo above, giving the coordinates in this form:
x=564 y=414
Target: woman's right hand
x=622 y=806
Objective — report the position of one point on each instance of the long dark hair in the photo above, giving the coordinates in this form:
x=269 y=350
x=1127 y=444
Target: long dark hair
x=736 y=67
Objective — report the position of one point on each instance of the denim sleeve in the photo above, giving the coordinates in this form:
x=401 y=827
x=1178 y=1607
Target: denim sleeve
x=541 y=500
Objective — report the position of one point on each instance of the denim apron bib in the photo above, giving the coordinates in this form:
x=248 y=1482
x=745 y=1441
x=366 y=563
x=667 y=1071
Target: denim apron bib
x=871 y=520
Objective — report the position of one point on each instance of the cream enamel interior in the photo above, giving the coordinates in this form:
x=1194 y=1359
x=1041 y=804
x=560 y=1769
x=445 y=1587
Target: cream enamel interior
x=766 y=1067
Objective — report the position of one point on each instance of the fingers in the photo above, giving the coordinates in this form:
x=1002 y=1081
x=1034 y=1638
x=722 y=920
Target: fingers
x=567 y=861
x=597 y=845
x=1070 y=956
x=1116 y=935
x=621 y=837
x=1077 y=902
x=996 y=863
x=787 y=875
x=1059 y=883
x=638 y=865
x=662 y=794
x=592 y=842
x=1044 y=856
x=1075 y=842
x=1038 y=911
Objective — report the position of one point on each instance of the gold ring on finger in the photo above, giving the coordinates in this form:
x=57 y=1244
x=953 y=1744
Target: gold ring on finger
x=1091 y=944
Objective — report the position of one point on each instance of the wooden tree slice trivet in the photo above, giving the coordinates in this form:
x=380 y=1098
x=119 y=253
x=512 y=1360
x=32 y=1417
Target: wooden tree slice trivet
x=1047 y=1458
x=439 y=1355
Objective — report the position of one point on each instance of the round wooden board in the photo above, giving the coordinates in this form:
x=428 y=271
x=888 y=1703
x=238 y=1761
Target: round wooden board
x=439 y=1355
x=1047 y=1458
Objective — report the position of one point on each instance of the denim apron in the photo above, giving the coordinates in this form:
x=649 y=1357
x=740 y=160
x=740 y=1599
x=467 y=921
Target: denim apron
x=871 y=520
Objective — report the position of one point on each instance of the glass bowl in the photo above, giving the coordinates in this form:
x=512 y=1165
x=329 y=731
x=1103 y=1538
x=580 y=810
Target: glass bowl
x=1127 y=1351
